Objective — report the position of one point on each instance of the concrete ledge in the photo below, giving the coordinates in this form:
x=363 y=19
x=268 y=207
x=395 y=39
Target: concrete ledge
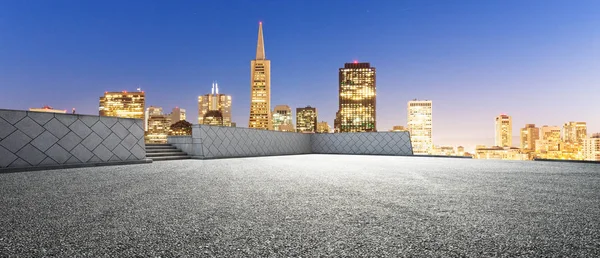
x=568 y=161
x=254 y=156
x=75 y=165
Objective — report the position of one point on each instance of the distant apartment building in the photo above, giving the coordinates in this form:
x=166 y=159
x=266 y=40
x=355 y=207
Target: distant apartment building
x=158 y=125
x=306 y=119
x=574 y=132
x=282 y=118
x=177 y=114
x=550 y=139
x=420 y=125
x=503 y=131
x=123 y=104
x=323 y=127
x=398 y=128
x=591 y=148
x=496 y=152
x=48 y=109
x=214 y=108
x=529 y=135
x=357 y=98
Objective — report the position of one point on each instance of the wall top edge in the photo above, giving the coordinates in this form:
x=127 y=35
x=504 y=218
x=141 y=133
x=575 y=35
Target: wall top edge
x=67 y=114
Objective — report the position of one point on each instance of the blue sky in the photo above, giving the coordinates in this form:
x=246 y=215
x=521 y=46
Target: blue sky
x=538 y=61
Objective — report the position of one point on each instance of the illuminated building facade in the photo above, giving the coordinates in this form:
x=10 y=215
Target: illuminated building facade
x=398 y=128
x=550 y=140
x=591 y=148
x=282 y=118
x=357 y=95
x=158 y=125
x=177 y=114
x=420 y=125
x=219 y=103
x=260 y=87
x=123 y=104
x=503 y=132
x=306 y=119
x=323 y=127
x=529 y=134
x=574 y=132
x=48 y=109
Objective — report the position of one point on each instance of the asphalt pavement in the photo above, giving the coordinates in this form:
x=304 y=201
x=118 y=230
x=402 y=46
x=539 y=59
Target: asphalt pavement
x=305 y=205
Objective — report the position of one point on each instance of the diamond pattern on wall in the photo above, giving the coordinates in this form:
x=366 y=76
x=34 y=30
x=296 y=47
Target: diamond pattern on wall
x=381 y=143
x=41 y=139
x=220 y=141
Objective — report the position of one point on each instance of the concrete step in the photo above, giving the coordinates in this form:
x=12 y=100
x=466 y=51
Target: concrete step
x=169 y=158
x=162 y=150
x=165 y=154
x=152 y=147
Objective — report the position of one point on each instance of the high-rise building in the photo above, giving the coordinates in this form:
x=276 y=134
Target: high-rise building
x=260 y=87
x=282 y=118
x=48 y=109
x=529 y=134
x=420 y=125
x=503 y=132
x=323 y=127
x=306 y=119
x=177 y=114
x=574 y=132
x=591 y=148
x=123 y=104
x=214 y=108
x=158 y=125
x=357 y=95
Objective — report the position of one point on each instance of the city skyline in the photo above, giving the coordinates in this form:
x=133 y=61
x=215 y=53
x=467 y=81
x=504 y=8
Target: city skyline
x=460 y=82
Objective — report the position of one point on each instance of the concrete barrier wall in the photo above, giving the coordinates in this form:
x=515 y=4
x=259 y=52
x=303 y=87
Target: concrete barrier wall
x=39 y=139
x=221 y=142
x=376 y=143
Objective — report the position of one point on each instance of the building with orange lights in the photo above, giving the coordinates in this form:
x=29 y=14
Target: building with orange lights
x=48 y=109
x=123 y=104
x=357 y=98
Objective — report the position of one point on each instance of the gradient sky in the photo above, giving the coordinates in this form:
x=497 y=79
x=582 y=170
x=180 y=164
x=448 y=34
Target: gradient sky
x=537 y=60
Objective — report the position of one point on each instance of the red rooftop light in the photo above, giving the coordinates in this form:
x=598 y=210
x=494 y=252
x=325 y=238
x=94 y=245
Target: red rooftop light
x=356 y=61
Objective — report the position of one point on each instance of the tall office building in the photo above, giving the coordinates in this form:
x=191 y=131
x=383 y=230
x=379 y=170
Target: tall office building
x=323 y=127
x=306 y=119
x=529 y=134
x=503 y=132
x=260 y=87
x=420 y=125
x=357 y=95
x=214 y=108
x=158 y=125
x=123 y=104
x=177 y=114
x=282 y=118
x=48 y=109
x=574 y=132
x=591 y=148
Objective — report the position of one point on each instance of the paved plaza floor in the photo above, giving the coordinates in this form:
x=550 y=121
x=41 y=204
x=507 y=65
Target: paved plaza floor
x=305 y=205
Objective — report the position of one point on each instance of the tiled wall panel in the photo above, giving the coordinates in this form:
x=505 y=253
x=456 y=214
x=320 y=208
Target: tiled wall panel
x=219 y=142
x=377 y=143
x=31 y=139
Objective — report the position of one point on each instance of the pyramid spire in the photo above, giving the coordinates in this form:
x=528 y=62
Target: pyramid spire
x=260 y=46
